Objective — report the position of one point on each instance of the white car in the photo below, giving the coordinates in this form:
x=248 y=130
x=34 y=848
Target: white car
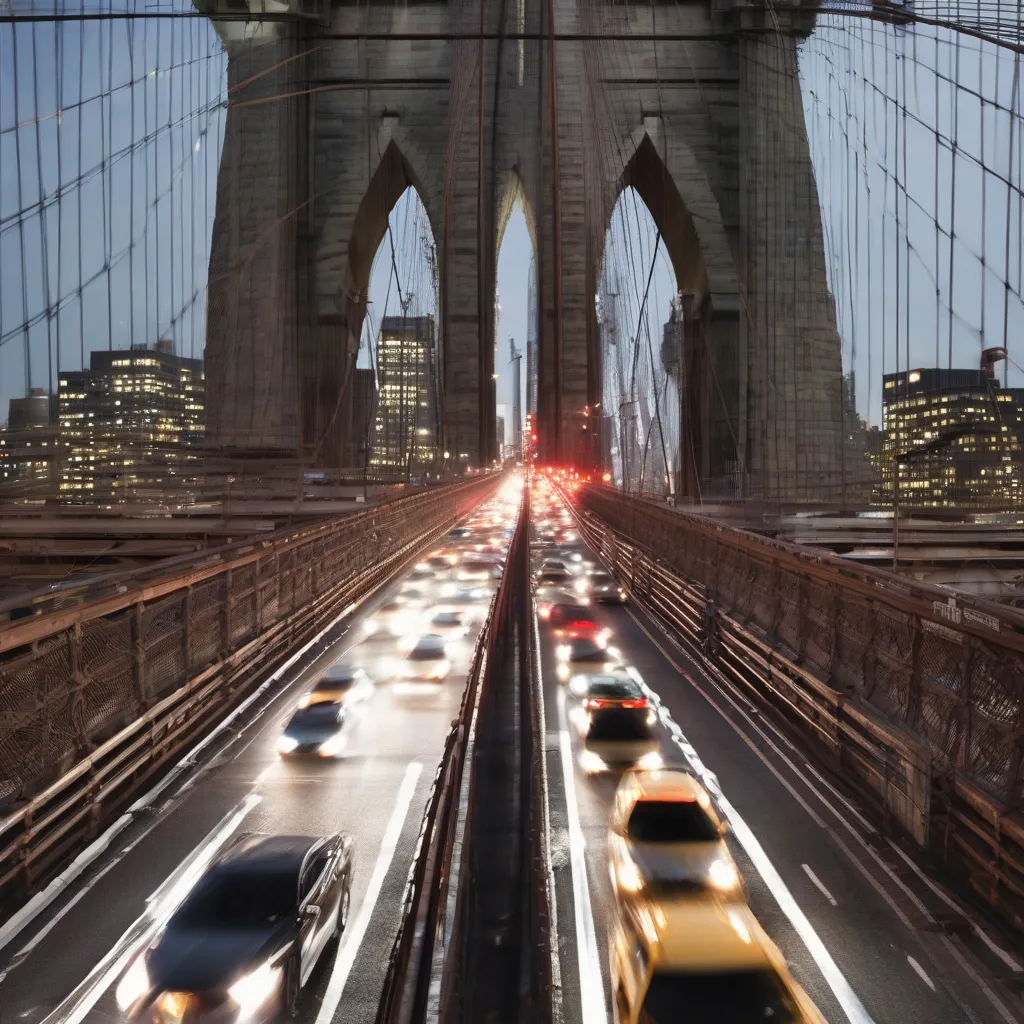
x=427 y=659
x=450 y=624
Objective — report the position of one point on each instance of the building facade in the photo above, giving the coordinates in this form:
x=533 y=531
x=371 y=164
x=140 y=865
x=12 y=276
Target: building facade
x=405 y=435
x=29 y=447
x=132 y=425
x=952 y=439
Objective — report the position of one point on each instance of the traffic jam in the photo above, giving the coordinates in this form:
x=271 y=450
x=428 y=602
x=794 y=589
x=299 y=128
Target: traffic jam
x=679 y=930
x=243 y=931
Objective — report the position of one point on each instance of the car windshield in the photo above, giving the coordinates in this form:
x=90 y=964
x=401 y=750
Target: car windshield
x=616 y=724
x=600 y=578
x=427 y=650
x=571 y=613
x=584 y=650
x=614 y=689
x=316 y=715
x=336 y=679
x=553 y=575
x=726 y=997
x=230 y=898
x=446 y=619
x=670 y=821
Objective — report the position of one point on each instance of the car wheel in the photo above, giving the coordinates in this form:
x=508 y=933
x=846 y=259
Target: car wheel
x=291 y=989
x=343 y=909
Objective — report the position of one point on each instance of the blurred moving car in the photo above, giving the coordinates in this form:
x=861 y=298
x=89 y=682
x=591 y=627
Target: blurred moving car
x=585 y=655
x=666 y=839
x=553 y=578
x=428 y=659
x=394 y=617
x=568 y=621
x=316 y=730
x=451 y=625
x=247 y=937
x=703 y=962
x=340 y=684
x=602 y=587
x=549 y=596
x=614 y=721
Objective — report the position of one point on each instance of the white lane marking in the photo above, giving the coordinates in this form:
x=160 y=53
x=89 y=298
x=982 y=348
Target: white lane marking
x=592 y=1002
x=818 y=884
x=161 y=905
x=554 y=943
x=1012 y=962
x=35 y=906
x=920 y=972
x=28 y=913
x=354 y=933
x=834 y=977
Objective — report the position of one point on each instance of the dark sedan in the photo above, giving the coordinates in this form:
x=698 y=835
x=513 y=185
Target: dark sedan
x=246 y=939
x=316 y=730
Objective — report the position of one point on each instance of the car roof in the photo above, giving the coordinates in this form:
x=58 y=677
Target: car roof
x=340 y=674
x=430 y=640
x=258 y=850
x=704 y=934
x=666 y=784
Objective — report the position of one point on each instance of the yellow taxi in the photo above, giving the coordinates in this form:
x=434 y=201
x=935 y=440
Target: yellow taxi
x=665 y=839
x=702 y=961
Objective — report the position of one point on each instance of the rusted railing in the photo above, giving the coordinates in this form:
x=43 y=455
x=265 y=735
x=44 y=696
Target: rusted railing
x=95 y=698
x=917 y=692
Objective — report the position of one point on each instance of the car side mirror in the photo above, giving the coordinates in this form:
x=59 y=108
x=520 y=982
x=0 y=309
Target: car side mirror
x=310 y=911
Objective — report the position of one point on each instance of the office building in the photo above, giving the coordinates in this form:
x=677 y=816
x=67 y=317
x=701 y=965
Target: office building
x=516 y=360
x=952 y=439
x=132 y=425
x=499 y=432
x=364 y=414
x=30 y=447
x=405 y=436
x=532 y=347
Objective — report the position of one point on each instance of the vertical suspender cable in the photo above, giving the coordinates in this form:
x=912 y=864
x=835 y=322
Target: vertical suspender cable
x=556 y=192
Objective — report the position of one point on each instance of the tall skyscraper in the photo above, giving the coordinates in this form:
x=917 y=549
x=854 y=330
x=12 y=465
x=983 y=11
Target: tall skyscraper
x=532 y=348
x=364 y=414
x=29 y=447
x=405 y=438
x=131 y=426
x=956 y=438
x=516 y=358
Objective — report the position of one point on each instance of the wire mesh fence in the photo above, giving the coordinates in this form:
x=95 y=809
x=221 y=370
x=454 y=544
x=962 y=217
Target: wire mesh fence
x=951 y=670
x=67 y=686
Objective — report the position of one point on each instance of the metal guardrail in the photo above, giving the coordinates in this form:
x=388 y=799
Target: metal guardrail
x=94 y=700
x=913 y=786
x=426 y=976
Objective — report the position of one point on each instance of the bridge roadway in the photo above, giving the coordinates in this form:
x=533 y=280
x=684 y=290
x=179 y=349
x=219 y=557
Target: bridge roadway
x=63 y=966
x=808 y=852
x=857 y=917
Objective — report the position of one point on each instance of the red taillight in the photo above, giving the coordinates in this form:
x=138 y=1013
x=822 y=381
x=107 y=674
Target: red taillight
x=639 y=703
x=593 y=702
x=582 y=625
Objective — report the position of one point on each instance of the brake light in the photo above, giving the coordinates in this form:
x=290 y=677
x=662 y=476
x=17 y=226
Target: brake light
x=594 y=702
x=583 y=624
x=640 y=702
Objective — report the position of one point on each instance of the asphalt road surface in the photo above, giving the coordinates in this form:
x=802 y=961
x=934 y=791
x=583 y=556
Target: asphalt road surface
x=64 y=964
x=867 y=932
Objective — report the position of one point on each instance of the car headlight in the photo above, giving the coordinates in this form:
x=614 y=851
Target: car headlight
x=286 y=744
x=723 y=875
x=134 y=985
x=591 y=763
x=332 y=746
x=628 y=876
x=650 y=762
x=253 y=990
x=304 y=700
x=370 y=626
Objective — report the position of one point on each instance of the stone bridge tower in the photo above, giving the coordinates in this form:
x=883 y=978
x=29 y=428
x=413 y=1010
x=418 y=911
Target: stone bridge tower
x=336 y=107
